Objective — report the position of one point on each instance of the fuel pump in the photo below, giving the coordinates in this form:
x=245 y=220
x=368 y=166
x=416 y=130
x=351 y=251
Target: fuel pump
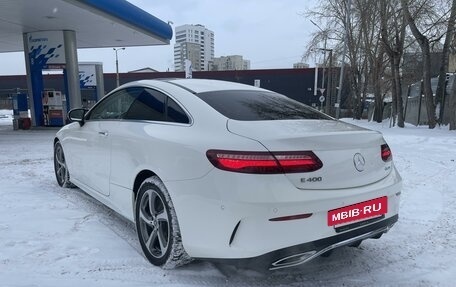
x=53 y=108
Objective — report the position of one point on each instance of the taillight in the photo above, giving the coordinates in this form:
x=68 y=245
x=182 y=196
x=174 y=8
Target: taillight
x=264 y=162
x=302 y=161
x=386 y=153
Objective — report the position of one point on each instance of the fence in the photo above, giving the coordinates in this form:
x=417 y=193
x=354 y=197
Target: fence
x=6 y=97
x=6 y=102
x=415 y=106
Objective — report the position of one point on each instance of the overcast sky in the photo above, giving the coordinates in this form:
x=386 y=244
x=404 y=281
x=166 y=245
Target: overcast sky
x=269 y=33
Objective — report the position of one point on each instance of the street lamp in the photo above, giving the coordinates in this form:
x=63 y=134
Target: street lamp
x=117 y=64
x=324 y=61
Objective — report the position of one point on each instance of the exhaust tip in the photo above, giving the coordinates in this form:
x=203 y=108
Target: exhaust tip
x=301 y=258
x=293 y=260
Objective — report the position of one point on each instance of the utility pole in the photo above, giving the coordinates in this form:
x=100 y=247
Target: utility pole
x=324 y=64
x=117 y=65
x=328 y=88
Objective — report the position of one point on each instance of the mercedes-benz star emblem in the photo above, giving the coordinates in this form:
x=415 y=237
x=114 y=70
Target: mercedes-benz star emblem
x=359 y=162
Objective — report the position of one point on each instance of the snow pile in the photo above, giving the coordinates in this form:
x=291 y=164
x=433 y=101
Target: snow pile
x=61 y=237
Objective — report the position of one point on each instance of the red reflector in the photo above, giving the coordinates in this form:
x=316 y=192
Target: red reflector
x=387 y=155
x=264 y=162
x=291 y=217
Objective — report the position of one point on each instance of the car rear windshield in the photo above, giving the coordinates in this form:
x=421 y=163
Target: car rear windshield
x=259 y=106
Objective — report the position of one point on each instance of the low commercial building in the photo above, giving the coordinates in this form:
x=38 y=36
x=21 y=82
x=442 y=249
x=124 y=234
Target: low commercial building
x=230 y=63
x=300 y=65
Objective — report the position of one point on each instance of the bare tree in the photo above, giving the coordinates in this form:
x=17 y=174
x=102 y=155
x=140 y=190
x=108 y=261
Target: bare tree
x=356 y=30
x=393 y=32
x=378 y=70
x=375 y=54
x=330 y=32
x=452 y=110
x=441 y=85
x=362 y=42
x=431 y=32
x=377 y=37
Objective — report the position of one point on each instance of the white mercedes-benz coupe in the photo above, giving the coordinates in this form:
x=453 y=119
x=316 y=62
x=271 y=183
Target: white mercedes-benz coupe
x=218 y=170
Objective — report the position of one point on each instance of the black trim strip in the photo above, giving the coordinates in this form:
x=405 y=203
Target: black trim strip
x=358 y=224
x=234 y=232
x=263 y=262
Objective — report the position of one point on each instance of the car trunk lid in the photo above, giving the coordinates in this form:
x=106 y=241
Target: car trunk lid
x=351 y=155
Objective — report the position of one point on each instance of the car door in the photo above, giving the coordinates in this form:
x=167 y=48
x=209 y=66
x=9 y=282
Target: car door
x=95 y=136
x=130 y=140
x=138 y=138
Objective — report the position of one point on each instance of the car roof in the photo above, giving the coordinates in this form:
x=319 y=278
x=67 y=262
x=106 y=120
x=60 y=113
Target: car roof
x=206 y=85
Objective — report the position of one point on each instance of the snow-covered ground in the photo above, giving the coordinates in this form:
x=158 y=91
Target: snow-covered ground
x=51 y=236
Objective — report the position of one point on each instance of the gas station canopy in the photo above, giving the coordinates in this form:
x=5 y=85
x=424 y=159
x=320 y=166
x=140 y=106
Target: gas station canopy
x=50 y=32
x=97 y=23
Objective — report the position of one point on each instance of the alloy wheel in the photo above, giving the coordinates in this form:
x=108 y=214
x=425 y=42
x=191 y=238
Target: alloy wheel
x=154 y=223
x=60 y=165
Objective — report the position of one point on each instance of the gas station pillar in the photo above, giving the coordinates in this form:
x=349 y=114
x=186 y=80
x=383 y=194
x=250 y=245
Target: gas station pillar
x=72 y=70
x=51 y=50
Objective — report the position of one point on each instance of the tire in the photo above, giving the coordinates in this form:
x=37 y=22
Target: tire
x=157 y=227
x=60 y=168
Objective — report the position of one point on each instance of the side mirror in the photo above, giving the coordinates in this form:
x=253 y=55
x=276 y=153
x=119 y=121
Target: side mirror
x=77 y=115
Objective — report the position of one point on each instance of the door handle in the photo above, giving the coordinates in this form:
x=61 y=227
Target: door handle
x=103 y=133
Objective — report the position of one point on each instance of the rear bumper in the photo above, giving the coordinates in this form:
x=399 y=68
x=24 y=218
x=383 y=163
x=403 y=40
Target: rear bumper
x=229 y=217
x=303 y=253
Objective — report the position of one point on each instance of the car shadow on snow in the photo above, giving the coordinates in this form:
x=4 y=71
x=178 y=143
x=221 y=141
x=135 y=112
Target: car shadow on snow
x=346 y=264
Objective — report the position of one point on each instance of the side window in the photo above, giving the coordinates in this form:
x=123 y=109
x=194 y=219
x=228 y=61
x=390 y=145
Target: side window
x=175 y=113
x=115 y=106
x=152 y=105
x=149 y=105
